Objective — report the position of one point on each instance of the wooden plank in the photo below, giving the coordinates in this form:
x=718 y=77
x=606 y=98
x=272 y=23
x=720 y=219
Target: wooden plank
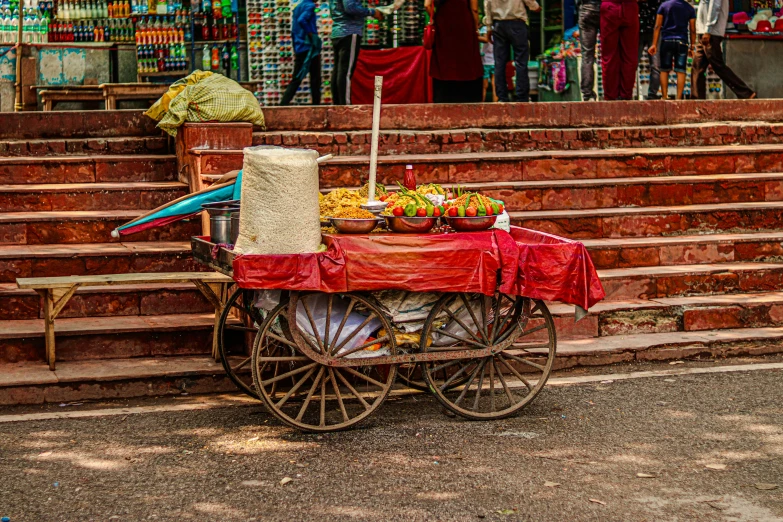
x=121 y=279
x=49 y=327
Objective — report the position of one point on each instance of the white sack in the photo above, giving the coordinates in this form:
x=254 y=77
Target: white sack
x=279 y=202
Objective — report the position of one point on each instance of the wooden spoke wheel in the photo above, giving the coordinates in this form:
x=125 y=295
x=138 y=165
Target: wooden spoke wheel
x=237 y=329
x=311 y=396
x=521 y=334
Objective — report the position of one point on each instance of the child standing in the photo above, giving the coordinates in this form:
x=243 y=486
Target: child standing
x=675 y=19
x=488 y=60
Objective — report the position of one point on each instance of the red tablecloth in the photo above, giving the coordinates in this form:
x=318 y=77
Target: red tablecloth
x=405 y=71
x=524 y=262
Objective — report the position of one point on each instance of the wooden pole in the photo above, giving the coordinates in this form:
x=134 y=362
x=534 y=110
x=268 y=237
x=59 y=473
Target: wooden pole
x=18 y=106
x=376 y=126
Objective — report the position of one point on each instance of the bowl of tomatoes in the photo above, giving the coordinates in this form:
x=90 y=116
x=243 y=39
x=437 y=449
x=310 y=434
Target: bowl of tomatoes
x=470 y=223
x=410 y=224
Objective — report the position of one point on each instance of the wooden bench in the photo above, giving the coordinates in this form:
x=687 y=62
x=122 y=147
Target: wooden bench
x=57 y=291
x=116 y=92
x=76 y=93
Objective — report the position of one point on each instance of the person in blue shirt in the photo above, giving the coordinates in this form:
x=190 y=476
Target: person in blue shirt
x=675 y=19
x=307 y=52
x=347 y=27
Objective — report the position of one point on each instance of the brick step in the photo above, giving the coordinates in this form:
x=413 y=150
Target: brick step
x=547 y=165
x=627 y=252
x=77 y=124
x=31 y=382
x=82 y=146
x=87 y=169
x=94 y=259
x=357 y=142
x=37 y=228
x=671 y=314
x=655 y=221
x=622 y=284
x=89 y=196
x=109 y=337
x=533 y=165
x=102 y=301
x=669 y=346
x=629 y=192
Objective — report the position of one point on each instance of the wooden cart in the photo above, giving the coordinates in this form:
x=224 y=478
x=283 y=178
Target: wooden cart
x=326 y=361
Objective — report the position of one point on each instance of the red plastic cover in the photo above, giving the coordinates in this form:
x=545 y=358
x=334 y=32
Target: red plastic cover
x=524 y=262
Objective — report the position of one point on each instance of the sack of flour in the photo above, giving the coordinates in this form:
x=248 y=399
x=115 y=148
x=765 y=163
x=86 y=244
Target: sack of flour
x=279 y=202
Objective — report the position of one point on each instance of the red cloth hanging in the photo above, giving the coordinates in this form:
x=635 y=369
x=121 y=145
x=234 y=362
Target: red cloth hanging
x=405 y=72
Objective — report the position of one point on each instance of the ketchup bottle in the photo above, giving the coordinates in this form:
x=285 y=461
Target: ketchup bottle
x=409 y=181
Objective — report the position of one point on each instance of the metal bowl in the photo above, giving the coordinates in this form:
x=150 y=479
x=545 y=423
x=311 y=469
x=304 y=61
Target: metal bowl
x=410 y=225
x=354 y=226
x=471 y=224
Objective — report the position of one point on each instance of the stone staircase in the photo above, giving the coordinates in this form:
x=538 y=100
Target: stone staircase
x=681 y=215
x=62 y=192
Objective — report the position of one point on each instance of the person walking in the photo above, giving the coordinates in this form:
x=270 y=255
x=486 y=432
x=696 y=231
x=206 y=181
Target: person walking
x=455 y=64
x=488 y=60
x=711 y=27
x=648 y=11
x=507 y=22
x=347 y=26
x=619 y=47
x=589 y=24
x=675 y=19
x=307 y=52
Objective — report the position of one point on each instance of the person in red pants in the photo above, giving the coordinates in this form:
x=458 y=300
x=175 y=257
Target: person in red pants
x=619 y=47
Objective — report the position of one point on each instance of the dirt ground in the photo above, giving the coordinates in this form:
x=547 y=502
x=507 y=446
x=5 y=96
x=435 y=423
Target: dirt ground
x=702 y=447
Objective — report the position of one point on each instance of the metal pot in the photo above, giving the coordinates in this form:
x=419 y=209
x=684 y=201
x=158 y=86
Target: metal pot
x=220 y=229
x=234 y=227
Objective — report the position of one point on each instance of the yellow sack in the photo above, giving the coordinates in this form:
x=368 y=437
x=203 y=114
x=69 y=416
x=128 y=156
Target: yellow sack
x=210 y=98
x=160 y=107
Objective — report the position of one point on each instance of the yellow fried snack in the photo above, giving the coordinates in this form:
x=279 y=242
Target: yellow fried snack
x=353 y=213
x=338 y=199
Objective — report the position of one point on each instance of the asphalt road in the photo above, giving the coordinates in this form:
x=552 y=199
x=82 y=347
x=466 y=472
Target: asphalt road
x=709 y=448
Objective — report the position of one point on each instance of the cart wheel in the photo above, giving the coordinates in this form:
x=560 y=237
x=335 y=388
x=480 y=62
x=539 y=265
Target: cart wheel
x=521 y=331
x=237 y=330
x=311 y=396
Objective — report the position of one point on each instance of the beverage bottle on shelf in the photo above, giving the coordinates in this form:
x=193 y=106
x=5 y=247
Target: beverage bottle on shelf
x=206 y=7
x=206 y=59
x=205 y=29
x=215 y=58
x=217 y=10
x=170 y=7
x=104 y=9
x=111 y=9
x=186 y=35
x=234 y=58
x=225 y=54
x=225 y=8
x=234 y=27
x=215 y=33
x=134 y=7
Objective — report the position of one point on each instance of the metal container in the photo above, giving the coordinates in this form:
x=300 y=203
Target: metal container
x=221 y=208
x=410 y=225
x=220 y=229
x=234 y=227
x=471 y=224
x=354 y=226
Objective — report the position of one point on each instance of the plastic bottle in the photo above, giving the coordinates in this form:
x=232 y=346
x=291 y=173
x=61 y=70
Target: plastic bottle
x=215 y=58
x=234 y=58
x=206 y=59
x=409 y=181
